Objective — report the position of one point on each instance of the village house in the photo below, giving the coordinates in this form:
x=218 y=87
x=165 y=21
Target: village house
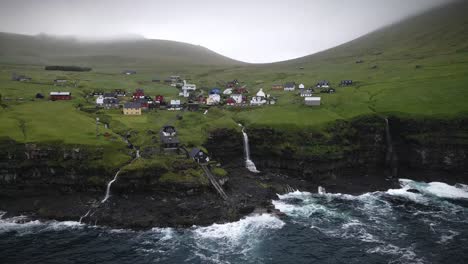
x=60 y=82
x=120 y=92
x=100 y=100
x=39 y=96
x=230 y=101
x=215 y=91
x=232 y=84
x=175 y=105
x=228 y=91
x=323 y=84
x=20 y=78
x=110 y=103
x=278 y=87
x=168 y=136
x=132 y=108
x=54 y=96
x=238 y=98
x=271 y=100
x=312 y=101
x=306 y=93
x=187 y=88
x=346 y=83
x=290 y=86
x=259 y=99
x=301 y=86
x=129 y=72
x=199 y=156
x=138 y=94
x=213 y=99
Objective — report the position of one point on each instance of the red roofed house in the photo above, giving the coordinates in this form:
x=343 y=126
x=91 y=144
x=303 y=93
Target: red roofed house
x=59 y=96
x=138 y=94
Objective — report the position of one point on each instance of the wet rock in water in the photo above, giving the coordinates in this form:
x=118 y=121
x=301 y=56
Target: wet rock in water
x=413 y=191
x=293 y=200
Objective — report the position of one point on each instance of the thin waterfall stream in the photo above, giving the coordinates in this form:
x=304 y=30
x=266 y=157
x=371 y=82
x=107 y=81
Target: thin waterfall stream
x=249 y=164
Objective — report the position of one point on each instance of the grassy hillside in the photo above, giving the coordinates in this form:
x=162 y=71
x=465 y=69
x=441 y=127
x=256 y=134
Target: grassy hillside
x=420 y=70
x=43 y=49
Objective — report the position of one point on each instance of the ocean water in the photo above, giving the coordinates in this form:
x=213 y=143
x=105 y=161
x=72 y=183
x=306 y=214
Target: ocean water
x=397 y=226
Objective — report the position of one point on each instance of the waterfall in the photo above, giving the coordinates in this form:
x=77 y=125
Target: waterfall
x=248 y=162
x=137 y=153
x=109 y=186
x=391 y=159
x=321 y=190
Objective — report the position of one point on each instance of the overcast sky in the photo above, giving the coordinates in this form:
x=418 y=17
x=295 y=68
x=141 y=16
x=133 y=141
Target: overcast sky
x=247 y=30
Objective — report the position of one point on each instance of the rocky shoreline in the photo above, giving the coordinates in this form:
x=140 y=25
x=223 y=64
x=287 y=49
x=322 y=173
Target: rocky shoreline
x=351 y=157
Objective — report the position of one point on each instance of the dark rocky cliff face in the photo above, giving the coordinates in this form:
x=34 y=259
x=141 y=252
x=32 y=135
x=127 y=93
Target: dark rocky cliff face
x=352 y=153
x=62 y=182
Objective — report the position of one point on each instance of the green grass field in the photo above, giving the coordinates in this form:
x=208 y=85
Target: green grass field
x=436 y=42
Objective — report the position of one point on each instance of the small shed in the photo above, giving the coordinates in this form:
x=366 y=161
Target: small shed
x=346 y=83
x=277 y=87
x=129 y=72
x=39 y=96
x=312 y=101
x=199 y=155
x=301 y=86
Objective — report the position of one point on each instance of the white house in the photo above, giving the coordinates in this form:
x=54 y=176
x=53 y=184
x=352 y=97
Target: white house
x=228 y=91
x=290 y=86
x=306 y=93
x=175 y=105
x=259 y=98
x=100 y=100
x=301 y=86
x=187 y=88
x=237 y=98
x=313 y=101
x=213 y=99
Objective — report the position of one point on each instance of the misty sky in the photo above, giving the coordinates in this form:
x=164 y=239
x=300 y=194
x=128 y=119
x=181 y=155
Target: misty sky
x=247 y=30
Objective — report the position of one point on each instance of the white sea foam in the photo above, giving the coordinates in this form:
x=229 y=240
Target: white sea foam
x=165 y=233
x=404 y=255
x=444 y=190
x=235 y=231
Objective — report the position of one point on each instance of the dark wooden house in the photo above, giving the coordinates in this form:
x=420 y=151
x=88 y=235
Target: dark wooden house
x=199 y=156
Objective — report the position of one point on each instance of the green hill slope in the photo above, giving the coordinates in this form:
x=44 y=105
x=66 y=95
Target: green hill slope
x=43 y=49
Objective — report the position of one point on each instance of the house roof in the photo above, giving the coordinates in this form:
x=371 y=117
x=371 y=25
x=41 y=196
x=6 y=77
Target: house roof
x=111 y=101
x=170 y=140
x=60 y=93
x=261 y=93
x=312 y=98
x=134 y=105
x=109 y=94
x=194 y=152
x=289 y=84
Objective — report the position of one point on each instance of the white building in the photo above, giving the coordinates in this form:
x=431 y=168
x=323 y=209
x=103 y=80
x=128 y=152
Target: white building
x=100 y=100
x=213 y=99
x=237 y=98
x=301 y=86
x=187 y=88
x=259 y=98
x=175 y=105
x=313 y=101
x=306 y=93
x=228 y=91
x=289 y=86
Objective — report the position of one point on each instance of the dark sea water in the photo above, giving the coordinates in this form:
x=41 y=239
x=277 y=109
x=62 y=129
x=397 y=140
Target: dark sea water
x=396 y=226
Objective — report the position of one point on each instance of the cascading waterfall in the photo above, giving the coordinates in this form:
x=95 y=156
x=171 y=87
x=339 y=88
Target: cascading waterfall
x=109 y=184
x=391 y=159
x=321 y=190
x=249 y=164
